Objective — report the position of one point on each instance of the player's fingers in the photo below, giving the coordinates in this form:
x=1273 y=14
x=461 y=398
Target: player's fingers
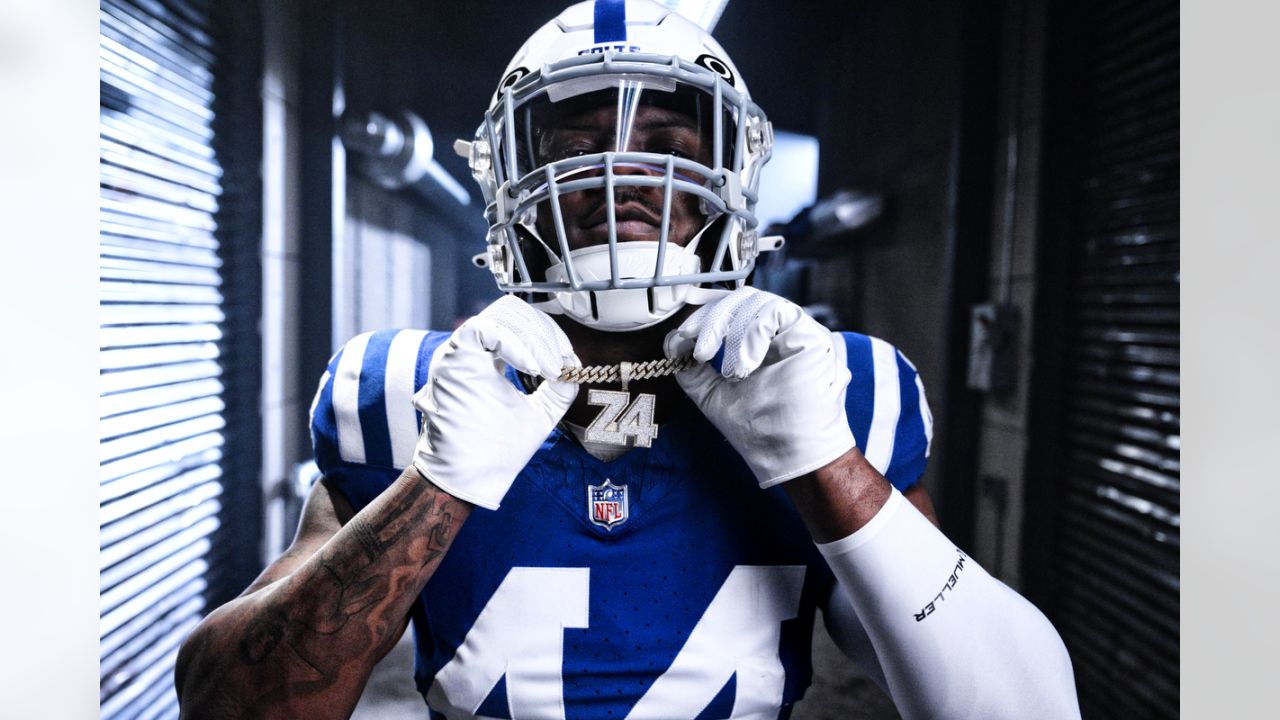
x=553 y=398
x=549 y=344
x=680 y=342
x=716 y=326
x=548 y=354
x=771 y=328
x=677 y=345
x=751 y=329
x=500 y=341
x=524 y=337
x=555 y=351
x=565 y=356
x=698 y=381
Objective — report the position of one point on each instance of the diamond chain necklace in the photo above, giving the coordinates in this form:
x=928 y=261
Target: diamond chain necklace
x=624 y=372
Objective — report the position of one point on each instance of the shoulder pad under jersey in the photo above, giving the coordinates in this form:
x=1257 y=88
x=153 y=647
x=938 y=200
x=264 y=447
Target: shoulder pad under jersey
x=363 y=422
x=887 y=409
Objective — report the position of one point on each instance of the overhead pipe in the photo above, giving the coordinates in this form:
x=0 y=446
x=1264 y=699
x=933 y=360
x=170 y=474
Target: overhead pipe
x=395 y=151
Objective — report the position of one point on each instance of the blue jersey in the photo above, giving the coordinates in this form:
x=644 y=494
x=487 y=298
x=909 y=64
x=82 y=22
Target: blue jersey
x=663 y=584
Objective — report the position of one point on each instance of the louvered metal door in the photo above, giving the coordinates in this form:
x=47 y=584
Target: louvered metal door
x=161 y=320
x=1118 y=502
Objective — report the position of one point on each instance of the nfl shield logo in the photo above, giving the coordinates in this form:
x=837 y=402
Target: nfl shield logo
x=607 y=504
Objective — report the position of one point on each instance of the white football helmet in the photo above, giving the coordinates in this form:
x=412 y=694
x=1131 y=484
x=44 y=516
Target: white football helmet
x=619 y=161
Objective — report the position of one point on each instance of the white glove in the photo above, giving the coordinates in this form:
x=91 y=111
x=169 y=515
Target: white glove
x=479 y=430
x=779 y=395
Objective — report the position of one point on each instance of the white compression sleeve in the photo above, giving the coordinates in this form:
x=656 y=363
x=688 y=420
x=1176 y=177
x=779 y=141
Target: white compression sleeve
x=953 y=642
x=845 y=628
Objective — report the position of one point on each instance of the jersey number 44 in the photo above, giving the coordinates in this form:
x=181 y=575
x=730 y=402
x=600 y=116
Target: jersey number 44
x=520 y=635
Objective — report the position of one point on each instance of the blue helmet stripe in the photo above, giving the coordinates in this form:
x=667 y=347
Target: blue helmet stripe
x=611 y=21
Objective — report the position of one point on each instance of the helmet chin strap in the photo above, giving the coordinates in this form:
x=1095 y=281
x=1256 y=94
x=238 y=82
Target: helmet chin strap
x=581 y=305
x=695 y=296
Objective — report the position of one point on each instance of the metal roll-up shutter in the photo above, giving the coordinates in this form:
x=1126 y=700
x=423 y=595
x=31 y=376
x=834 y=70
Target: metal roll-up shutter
x=1118 y=503
x=162 y=318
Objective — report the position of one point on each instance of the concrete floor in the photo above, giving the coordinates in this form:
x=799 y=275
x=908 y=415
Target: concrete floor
x=390 y=694
x=839 y=691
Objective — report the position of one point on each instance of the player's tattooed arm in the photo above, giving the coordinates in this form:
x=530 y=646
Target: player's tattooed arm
x=301 y=641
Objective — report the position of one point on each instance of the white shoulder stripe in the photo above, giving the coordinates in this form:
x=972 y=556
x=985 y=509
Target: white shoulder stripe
x=926 y=416
x=907 y=360
x=402 y=418
x=887 y=407
x=346 y=399
x=842 y=362
x=315 y=400
x=311 y=413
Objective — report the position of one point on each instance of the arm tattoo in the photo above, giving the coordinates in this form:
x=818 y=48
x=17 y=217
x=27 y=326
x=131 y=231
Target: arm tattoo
x=325 y=625
x=367 y=538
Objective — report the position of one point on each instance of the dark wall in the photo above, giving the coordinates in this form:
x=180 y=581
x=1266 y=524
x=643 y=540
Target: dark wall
x=888 y=127
x=879 y=85
x=901 y=97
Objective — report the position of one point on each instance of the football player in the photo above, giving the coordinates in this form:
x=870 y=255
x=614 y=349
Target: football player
x=623 y=489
